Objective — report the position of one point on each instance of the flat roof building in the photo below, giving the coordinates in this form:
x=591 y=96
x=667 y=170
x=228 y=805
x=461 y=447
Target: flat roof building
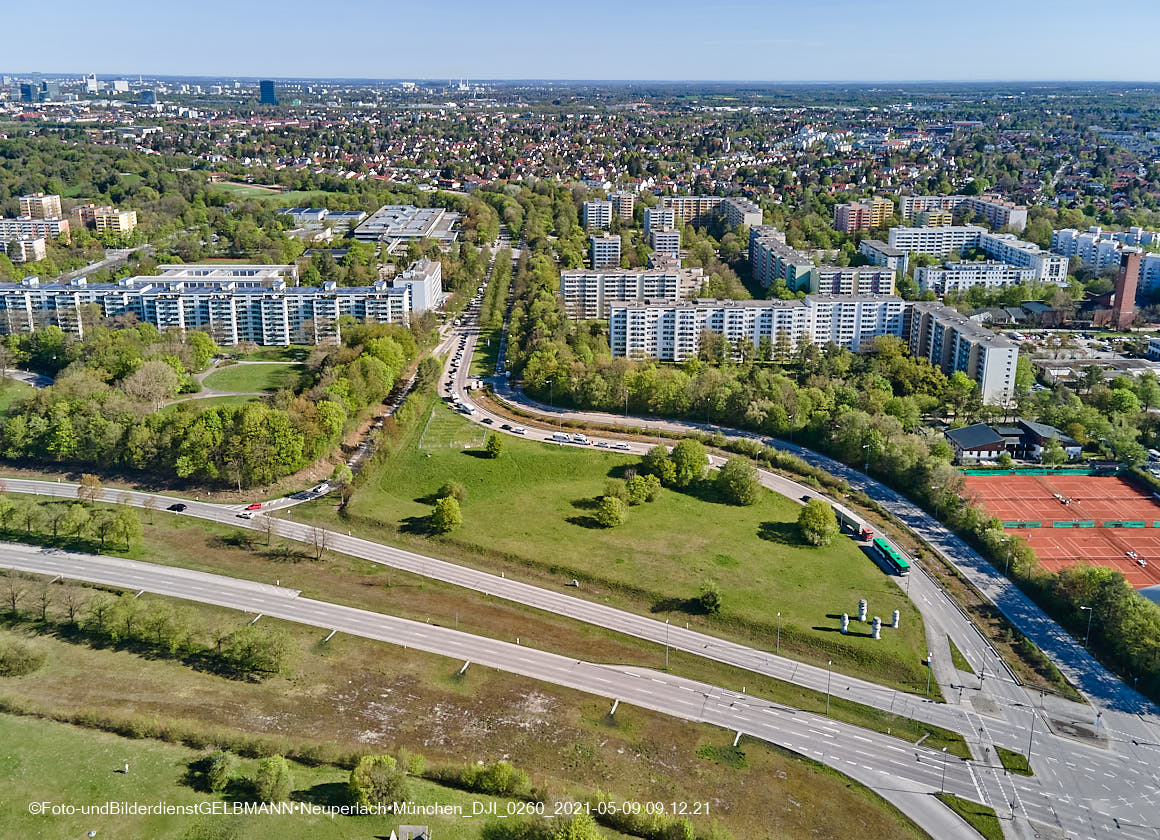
x=588 y=294
x=603 y=251
x=596 y=215
x=398 y=225
x=953 y=342
x=863 y=215
x=997 y=212
x=623 y=204
x=665 y=241
x=961 y=276
x=40 y=206
x=881 y=253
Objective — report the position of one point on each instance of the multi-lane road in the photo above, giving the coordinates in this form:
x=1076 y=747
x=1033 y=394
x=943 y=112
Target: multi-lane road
x=1097 y=786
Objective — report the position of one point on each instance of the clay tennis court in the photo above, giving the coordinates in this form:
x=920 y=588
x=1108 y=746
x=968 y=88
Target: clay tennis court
x=1078 y=530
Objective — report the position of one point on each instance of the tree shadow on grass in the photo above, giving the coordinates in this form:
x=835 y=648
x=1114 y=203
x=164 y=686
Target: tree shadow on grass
x=587 y=503
x=327 y=793
x=784 y=533
x=418 y=525
x=478 y=453
x=689 y=606
x=585 y=522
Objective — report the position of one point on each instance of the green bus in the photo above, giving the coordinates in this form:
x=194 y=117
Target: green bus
x=895 y=563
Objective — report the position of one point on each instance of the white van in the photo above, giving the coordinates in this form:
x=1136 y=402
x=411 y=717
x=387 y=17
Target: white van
x=561 y=437
x=580 y=439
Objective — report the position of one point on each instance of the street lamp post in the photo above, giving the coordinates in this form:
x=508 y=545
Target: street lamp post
x=943 y=784
x=829 y=665
x=666 y=644
x=779 y=633
x=1031 y=737
x=929 y=670
x=866 y=448
x=1087 y=636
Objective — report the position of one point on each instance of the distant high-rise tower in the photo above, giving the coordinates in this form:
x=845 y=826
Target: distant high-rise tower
x=91 y=83
x=267 y=94
x=1124 y=304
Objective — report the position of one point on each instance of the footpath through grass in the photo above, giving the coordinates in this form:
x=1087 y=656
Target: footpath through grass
x=981 y=818
x=530 y=512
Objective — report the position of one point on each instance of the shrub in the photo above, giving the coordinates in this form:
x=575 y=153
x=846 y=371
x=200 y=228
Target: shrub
x=494 y=445
x=611 y=512
x=710 y=598
x=817 y=523
x=377 y=780
x=446 y=516
x=737 y=482
x=219 y=769
x=452 y=490
x=18 y=660
x=273 y=780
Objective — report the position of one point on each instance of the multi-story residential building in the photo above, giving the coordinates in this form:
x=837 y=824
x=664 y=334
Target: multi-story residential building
x=934 y=218
x=269 y=314
x=863 y=215
x=659 y=217
x=703 y=209
x=597 y=215
x=425 y=279
x=110 y=220
x=1104 y=250
x=588 y=294
x=397 y=225
x=771 y=259
x=27 y=228
x=603 y=251
x=847 y=280
x=880 y=253
x=24 y=250
x=997 y=212
x=623 y=203
x=665 y=241
x=960 y=276
x=40 y=206
x=267 y=94
x=671 y=331
x=952 y=342
x=942 y=241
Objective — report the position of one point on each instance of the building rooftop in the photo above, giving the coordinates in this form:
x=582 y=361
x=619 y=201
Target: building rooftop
x=975 y=436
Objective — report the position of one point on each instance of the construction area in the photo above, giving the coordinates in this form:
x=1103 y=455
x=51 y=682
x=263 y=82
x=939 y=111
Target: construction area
x=1071 y=518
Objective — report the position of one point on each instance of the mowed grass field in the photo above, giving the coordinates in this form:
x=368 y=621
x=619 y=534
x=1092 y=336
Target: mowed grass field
x=530 y=512
x=11 y=392
x=264 y=376
x=45 y=761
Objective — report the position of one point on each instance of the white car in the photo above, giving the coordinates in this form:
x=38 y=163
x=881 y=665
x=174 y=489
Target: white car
x=519 y=430
x=324 y=487
x=601 y=444
x=246 y=514
x=621 y=445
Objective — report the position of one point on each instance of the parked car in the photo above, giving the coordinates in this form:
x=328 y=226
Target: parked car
x=560 y=437
x=177 y=508
x=488 y=421
x=601 y=444
x=507 y=427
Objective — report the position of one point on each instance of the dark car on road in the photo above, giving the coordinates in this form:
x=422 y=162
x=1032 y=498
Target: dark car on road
x=178 y=508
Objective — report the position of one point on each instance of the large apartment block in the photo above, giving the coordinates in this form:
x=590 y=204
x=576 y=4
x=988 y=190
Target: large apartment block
x=771 y=259
x=1006 y=247
x=597 y=215
x=863 y=215
x=952 y=342
x=588 y=294
x=659 y=218
x=623 y=203
x=104 y=219
x=703 y=209
x=25 y=227
x=1102 y=250
x=671 y=331
x=880 y=253
x=24 y=250
x=998 y=212
x=961 y=276
x=665 y=241
x=603 y=251
x=234 y=304
x=40 y=206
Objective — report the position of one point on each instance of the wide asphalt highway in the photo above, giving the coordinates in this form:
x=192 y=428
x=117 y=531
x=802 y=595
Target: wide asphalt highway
x=904 y=774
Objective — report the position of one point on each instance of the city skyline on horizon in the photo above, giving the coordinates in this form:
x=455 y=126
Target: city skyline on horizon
x=830 y=42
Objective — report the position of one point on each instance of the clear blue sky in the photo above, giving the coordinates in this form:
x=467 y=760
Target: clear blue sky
x=824 y=40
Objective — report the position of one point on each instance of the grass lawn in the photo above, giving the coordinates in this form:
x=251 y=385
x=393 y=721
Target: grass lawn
x=354 y=694
x=12 y=391
x=486 y=355
x=981 y=818
x=957 y=658
x=55 y=762
x=257 y=377
x=530 y=510
x=1014 y=761
x=292 y=353
x=207 y=402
